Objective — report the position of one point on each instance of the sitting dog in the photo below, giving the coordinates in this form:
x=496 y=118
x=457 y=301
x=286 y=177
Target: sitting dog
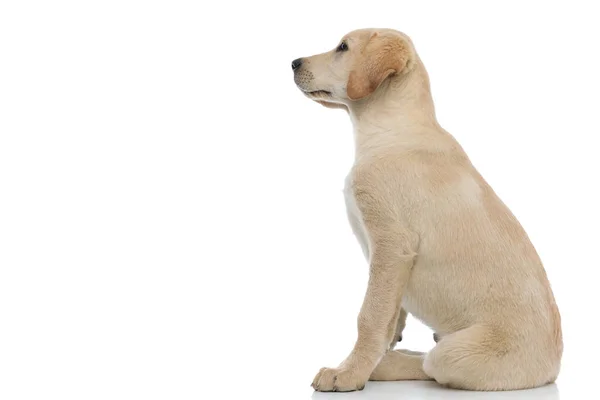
x=440 y=243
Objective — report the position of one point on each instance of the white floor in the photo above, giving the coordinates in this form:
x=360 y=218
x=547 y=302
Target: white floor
x=431 y=390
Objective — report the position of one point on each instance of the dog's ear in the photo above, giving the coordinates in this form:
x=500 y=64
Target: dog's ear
x=383 y=56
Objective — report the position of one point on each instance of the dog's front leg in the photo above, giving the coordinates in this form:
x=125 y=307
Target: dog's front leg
x=399 y=328
x=391 y=264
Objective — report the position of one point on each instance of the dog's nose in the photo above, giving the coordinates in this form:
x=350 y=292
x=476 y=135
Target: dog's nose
x=296 y=63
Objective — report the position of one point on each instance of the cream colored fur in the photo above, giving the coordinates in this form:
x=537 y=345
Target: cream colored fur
x=440 y=244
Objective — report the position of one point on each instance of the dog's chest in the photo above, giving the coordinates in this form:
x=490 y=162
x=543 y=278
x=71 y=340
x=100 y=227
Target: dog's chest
x=355 y=217
x=351 y=206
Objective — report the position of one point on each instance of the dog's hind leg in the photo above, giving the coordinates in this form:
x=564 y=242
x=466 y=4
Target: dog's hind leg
x=400 y=365
x=486 y=358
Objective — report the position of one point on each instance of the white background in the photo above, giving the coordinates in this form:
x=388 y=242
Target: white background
x=172 y=224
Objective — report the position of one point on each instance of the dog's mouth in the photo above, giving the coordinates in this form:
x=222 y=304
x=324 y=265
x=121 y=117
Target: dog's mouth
x=318 y=94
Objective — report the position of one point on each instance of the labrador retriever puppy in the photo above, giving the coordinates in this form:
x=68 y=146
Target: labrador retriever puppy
x=439 y=242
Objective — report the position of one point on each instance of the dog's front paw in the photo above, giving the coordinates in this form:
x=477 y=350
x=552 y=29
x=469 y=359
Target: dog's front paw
x=338 y=380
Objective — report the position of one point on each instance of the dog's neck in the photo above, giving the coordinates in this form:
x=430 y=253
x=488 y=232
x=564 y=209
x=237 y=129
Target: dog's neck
x=398 y=110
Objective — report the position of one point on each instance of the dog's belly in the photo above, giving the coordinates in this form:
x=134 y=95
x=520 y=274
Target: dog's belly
x=433 y=296
x=444 y=298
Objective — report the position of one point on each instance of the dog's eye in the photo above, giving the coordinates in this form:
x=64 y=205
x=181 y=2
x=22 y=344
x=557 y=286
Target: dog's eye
x=342 y=47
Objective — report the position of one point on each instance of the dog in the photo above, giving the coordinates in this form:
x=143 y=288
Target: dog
x=439 y=242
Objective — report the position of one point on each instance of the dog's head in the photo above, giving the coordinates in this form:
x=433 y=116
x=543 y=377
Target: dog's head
x=361 y=61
